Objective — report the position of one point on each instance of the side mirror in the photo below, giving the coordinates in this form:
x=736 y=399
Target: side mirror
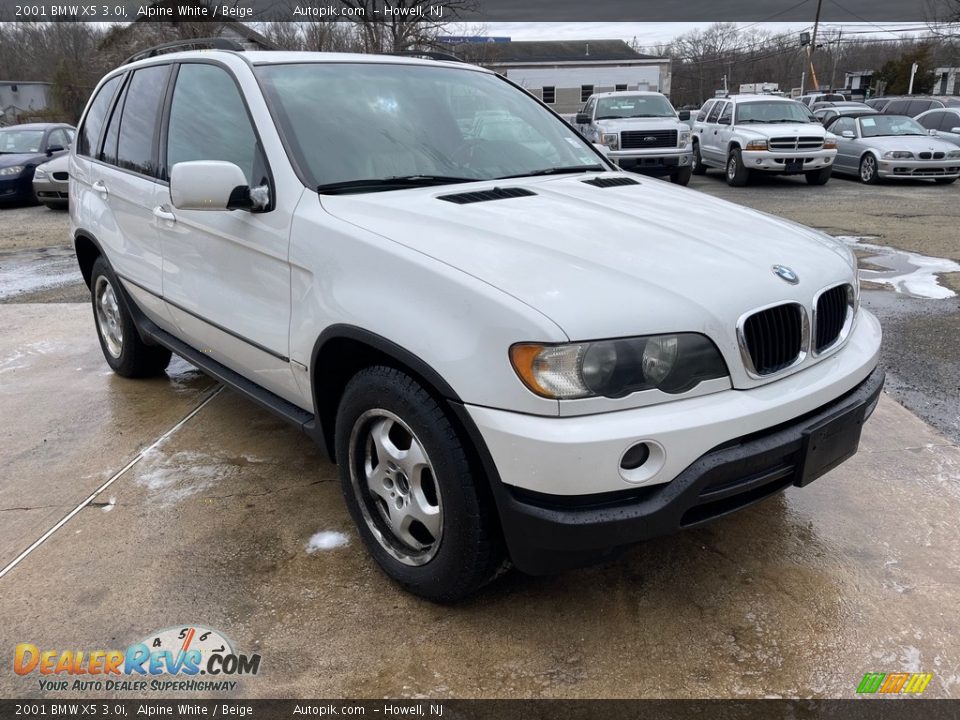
x=213 y=185
x=51 y=149
x=583 y=119
x=932 y=132
x=848 y=134
x=723 y=121
x=683 y=115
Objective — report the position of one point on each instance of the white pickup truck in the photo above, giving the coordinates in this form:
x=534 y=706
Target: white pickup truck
x=743 y=134
x=640 y=131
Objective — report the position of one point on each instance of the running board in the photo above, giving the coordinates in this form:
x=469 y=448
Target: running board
x=249 y=389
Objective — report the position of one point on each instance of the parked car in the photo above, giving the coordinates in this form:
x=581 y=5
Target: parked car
x=22 y=148
x=877 y=103
x=826 y=112
x=641 y=131
x=50 y=185
x=744 y=134
x=913 y=105
x=811 y=99
x=880 y=146
x=511 y=351
x=945 y=121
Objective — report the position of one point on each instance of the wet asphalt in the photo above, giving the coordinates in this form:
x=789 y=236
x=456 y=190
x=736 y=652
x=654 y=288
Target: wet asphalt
x=212 y=510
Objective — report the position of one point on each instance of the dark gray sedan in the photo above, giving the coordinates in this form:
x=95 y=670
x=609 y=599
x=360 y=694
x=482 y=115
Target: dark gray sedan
x=946 y=122
x=874 y=147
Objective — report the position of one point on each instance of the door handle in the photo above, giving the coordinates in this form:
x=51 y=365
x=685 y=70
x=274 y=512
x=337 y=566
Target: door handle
x=99 y=187
x=161 y=213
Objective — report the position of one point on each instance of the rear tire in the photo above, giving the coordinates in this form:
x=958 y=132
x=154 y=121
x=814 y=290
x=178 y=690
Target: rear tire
x=818 y=177
x=681 y=176
x=124 y=350
x=737 y=174
x=417 y=500
x=697 y=167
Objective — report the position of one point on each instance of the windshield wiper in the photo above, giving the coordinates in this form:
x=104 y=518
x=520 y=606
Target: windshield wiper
x=398 y=182
x=555 y=171
x=610 y=117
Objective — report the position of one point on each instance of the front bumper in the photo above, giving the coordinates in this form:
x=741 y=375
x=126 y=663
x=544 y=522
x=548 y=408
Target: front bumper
x=548 y=534
x=49 y=190
x=919 y=168
x=14 y=189
x=786 y=162
x=652 y=162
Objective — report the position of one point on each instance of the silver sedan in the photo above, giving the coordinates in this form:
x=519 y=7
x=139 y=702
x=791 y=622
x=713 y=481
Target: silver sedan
x=874 y=147
x=50 y=182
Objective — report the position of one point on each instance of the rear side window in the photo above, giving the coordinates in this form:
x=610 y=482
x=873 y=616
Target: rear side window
x=89 y=136
x=209 y=121
x=715 y=112
x=896 y=107
x=139 y=122
x=919 y=106
x=704 y=111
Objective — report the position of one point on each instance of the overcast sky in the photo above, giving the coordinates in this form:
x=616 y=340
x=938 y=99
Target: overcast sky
x=648 y=34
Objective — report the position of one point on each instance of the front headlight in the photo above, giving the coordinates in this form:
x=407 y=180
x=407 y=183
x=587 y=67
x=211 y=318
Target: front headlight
x=897 y=155
x=14 y=170
x=758 y=145
x=39 y=173
x=611 y=140
x=683 y=139
x=615 y=368
x=830 y=144
x=953 y=154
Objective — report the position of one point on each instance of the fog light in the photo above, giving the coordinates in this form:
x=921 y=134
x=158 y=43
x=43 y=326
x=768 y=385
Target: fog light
x=760 y=161
x=635 y=457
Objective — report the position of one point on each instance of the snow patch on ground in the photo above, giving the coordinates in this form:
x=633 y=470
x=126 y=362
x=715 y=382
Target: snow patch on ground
x=908 y=273
x=327 y=540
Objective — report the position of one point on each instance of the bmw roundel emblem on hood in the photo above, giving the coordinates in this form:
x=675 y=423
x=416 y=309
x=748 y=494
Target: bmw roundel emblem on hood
x=786 y=274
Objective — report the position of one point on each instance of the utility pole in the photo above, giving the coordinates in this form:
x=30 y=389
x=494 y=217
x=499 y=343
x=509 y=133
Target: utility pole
x=813 y=47
x=913 y=72
x=836 y=57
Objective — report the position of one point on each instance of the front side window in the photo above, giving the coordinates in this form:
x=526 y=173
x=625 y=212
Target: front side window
x=209 y=121
x=842 y=124
x=141 y=115
x=950 y=122
x=727 y=113
x=932 y=121
x=93 y=123
x=353 y=122
x=773 y=111
x=634 y=106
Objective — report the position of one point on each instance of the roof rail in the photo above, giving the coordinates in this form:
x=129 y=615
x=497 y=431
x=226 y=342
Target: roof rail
x=430 y=54
x=211 y=43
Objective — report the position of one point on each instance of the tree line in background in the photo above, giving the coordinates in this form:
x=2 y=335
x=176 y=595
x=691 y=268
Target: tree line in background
x=74 y=56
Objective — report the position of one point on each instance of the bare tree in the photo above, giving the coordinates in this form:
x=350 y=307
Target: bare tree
x=411 y=24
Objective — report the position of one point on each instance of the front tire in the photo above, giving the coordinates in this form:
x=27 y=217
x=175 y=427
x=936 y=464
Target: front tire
x=124 y=350
x=697 y=167
x=819 y=177
x=737 y=174
x=416 y=498
x=868 y=170
x=681 y=176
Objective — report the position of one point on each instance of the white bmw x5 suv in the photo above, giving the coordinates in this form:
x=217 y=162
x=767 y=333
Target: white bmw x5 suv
x=513 y=351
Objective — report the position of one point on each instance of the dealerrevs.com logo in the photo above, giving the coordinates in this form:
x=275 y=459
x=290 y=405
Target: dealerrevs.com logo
x=177 y=659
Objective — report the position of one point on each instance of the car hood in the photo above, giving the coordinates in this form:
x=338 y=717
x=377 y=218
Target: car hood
x=8 y=160
x=59 y=163
x=911 y=143
x=783 y=129
x=611 y=262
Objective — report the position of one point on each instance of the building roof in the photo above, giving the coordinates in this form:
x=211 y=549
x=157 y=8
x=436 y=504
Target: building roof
x=546 y=51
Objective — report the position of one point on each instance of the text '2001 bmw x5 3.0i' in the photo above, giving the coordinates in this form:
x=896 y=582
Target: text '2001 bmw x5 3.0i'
x=512 y=350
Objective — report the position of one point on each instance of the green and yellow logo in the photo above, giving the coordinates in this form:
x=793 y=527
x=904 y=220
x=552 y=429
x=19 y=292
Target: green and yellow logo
x=894 y=683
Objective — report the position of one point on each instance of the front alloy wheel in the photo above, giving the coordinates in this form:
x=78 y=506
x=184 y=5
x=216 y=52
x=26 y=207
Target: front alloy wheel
x=868 y=169
x=394 y=482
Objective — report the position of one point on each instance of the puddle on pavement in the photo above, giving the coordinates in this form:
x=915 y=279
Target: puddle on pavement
x=28 y=271
x=906 y=272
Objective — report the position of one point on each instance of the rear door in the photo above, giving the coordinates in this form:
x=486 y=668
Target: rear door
x=226 y=275
x=709 y=140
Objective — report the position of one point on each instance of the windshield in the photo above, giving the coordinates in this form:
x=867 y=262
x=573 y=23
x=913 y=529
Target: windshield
x=20 y=141
x=773 y=111
x=882 y=125
x=634 y=106
x=348 y=123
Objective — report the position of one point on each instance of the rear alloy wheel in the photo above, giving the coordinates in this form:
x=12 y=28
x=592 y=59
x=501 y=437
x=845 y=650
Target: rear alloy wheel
x=417 y=499
x=697 y=167
x=737 y=174
x=868 y=170
x=125 y=352
x=818 y=177
x=681 y=176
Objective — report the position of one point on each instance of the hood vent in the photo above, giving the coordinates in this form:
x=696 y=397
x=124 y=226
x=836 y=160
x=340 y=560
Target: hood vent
x=486 y=195
x=606 y=182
